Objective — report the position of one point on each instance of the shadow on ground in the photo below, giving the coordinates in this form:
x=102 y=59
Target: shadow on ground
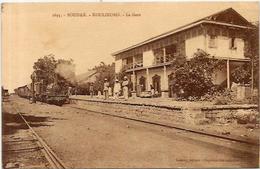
x=13 y=122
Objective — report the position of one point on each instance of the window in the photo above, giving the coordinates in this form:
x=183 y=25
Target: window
x=170 y=52
x=158 y=55
x=127 y=63
x=212 y=41
x=138 y=60
x=129 y=60
x=233 y=44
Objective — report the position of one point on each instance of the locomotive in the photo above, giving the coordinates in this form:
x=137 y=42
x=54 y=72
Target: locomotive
x=50 y=94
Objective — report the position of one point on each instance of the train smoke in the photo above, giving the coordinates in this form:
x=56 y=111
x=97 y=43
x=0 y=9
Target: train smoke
x=67 y=71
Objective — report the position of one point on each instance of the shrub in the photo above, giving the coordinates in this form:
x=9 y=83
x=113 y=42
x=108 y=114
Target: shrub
x=241 y=75
x=193 y=78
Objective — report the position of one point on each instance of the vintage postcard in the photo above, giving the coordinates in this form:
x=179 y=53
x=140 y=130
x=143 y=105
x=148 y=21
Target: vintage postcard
x=130 y=85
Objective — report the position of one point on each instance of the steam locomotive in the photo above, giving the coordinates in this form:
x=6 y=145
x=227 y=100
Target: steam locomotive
x=50 y=94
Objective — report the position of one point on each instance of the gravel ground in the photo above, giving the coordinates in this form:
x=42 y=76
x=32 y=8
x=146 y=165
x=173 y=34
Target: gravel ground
x=16 y=141
x=87 y=140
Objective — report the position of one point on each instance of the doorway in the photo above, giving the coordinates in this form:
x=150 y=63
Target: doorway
x=157 y=85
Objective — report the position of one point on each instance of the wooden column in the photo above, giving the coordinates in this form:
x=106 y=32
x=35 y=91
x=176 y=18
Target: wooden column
x=164 y=55
x=134 y=85
x=164 y=78
x=148 y=80
x=252 y=76
x=133 y=62
x=205 y=37
x=134 y=80
x=228 y=74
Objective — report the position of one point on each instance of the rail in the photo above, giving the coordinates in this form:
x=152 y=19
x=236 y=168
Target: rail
x=192 y=130
x=52 y=158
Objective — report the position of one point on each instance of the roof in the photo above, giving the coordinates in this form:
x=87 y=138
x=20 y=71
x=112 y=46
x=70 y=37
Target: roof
x=208 y=19
x=86 y=77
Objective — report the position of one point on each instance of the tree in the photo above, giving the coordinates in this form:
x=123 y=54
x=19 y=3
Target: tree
x=254 y=44
x=242 y=75
x=193 y=78
x=59 y=72
x=252 y=52
x=104 y=71
x=45 y=69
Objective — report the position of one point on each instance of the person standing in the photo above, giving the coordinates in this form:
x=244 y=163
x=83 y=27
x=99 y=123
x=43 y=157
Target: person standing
x=110 y=94
x=69 y=91
x=106 y=86
x=117 y=89
x=152 y=90
x=76 y=91
x=125 y=87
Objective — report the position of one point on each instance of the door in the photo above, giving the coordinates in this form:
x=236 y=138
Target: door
x=157 y=84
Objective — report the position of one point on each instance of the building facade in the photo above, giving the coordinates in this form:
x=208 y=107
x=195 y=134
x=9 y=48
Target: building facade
x=222 y=35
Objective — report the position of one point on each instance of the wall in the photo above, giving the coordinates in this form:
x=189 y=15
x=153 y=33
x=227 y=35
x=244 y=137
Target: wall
x=223 y=47
x=148 y=58
x=153 y=72
x=118 y=65
x=193 y=44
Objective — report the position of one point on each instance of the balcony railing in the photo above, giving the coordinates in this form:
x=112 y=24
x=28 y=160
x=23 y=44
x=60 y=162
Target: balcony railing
x=157 y=61
x=127 y=66
x=133 y=65
x=168 y=58
x=138 y=64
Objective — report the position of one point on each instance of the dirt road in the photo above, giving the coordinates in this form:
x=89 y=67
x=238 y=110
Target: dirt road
x=87 y=140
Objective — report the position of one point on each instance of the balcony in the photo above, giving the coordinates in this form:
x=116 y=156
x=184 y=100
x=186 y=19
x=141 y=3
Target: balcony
x=168 y=58
x=138 y=64
x=132 y=65
x=127 y=66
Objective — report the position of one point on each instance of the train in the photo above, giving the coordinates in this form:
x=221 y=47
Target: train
x=44 y=93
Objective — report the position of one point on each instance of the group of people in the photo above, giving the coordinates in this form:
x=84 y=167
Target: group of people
x=118 y=87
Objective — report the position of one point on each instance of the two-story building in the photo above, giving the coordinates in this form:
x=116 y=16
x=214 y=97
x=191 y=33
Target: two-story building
x=222 y=35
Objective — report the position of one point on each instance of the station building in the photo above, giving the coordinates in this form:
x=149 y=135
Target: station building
x=222 y=35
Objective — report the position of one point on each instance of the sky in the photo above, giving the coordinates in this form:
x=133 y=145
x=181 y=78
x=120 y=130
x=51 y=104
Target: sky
x=32 y=30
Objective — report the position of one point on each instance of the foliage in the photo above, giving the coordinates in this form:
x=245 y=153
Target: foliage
x=222 y=97
x=59 y=72
x=241 y=75
x=193 y=78
x=121 y=75
x=253 y=36
x=253 y=52
x=45 y=69
x=104 y=71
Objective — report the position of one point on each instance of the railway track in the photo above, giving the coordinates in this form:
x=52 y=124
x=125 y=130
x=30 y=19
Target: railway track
x=51 y=157
x=214 y=135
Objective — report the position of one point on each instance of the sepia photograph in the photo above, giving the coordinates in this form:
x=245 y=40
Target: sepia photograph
x=130 y=85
